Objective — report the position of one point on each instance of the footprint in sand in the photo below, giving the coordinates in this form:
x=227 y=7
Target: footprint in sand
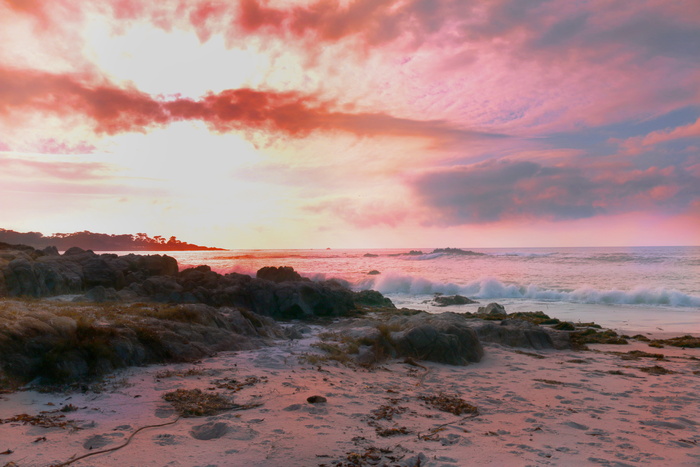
x=165 y=439
x=209 y=431
x=99 y=441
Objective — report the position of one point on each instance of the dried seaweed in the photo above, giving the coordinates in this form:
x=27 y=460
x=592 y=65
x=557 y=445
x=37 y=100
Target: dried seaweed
x=394 y=431
x=43 y=420
x=451 y=404
x=195 y=403
x=552 y=382
x=686 y=341
x=387 y=412
x=235 y=386
x=181 y=374
x=657 y=370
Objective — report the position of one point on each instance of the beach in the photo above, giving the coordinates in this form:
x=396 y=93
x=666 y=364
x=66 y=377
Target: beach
x=606 y=406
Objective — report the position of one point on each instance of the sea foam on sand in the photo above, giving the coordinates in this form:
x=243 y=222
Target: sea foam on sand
x=554 y=407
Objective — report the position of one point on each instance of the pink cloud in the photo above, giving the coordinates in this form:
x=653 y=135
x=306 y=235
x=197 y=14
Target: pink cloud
x=68 y=171
x=116 y=110
x=638 y=144
x=54 y=146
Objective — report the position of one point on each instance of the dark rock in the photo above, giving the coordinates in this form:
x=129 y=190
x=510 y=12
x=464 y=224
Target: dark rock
x=457 y=251
x=279 y=274
x=373 y=272
x=370 y=255
x=96 y=271
x=157 y=265
x=36 y=274
x=316 y=399
x=415 y=253
x=448 y=300
x=520 y=333
x=100 y=294
x=162 y=288
x=372 y=298
x=74 y=251
x=443 y=338
x=280 y=292
x=565 y=326
x=51 y=251
x=492 y=310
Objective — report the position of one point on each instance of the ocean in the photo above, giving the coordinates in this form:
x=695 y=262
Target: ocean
x=655 y=290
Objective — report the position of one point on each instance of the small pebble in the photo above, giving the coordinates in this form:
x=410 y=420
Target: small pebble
x=316 y=399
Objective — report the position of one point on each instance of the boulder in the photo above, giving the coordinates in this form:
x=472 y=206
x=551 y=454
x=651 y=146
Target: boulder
x=520 y=333
x=50 y=251
x=279 y=274
x=449 y=300
x=33 y=273
x=74 y=250
x=492 y=310
x=372 y=298
x=443 y=338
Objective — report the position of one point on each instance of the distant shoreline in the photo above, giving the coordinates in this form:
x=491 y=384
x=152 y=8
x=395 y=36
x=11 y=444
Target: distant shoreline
x=100 y=242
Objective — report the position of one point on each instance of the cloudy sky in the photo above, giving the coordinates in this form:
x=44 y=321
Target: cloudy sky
x=360 y=123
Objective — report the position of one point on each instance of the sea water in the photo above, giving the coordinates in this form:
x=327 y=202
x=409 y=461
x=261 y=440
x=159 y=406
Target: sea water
x=645 y=289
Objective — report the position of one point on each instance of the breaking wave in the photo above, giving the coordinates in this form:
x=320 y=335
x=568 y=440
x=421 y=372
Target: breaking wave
x=492 y=288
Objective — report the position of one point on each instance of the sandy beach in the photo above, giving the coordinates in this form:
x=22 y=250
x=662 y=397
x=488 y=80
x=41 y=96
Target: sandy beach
x=605 y=406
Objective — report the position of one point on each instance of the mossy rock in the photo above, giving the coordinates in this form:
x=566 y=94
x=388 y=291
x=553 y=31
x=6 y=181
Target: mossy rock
x=686 y=341
x=579 y=339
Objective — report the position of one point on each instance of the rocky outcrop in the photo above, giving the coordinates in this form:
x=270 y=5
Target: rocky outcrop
x=520 y=333
x=492 y=311
x=450 y=338
x=280 y=274
x=443 y=338
x=449 y=300
x=34 y=273
x=277 y=292
x=45 y=342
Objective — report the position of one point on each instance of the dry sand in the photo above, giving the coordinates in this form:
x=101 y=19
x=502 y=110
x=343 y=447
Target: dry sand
x=534 y=408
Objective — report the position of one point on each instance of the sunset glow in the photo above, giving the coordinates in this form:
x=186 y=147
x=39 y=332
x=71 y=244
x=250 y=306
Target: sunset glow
x=313 y=123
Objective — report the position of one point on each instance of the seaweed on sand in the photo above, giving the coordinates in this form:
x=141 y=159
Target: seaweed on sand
x=535 y=317
x=235 y=385
x=656 y=370
x=451 y=404
x=195 y=403
x=579 y=339
x=43 y=420
x=686 y=341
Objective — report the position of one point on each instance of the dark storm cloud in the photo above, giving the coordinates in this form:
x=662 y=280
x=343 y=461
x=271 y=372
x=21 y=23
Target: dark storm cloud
x=508 y=190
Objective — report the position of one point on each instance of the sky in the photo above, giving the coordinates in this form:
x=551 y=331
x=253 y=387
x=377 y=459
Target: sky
x=356 y=124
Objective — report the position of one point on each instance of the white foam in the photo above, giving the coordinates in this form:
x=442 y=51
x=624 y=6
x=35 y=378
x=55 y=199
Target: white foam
x=492 y=288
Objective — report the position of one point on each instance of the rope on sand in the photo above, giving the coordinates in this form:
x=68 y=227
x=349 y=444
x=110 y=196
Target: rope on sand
x=68 y=462
x=411 y=361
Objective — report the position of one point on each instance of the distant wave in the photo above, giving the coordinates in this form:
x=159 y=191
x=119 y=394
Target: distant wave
x=424 y=257
x=491 y=288
x=519 y=254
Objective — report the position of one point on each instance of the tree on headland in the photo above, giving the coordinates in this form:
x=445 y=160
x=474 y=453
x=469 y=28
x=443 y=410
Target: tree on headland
x=99 y=242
